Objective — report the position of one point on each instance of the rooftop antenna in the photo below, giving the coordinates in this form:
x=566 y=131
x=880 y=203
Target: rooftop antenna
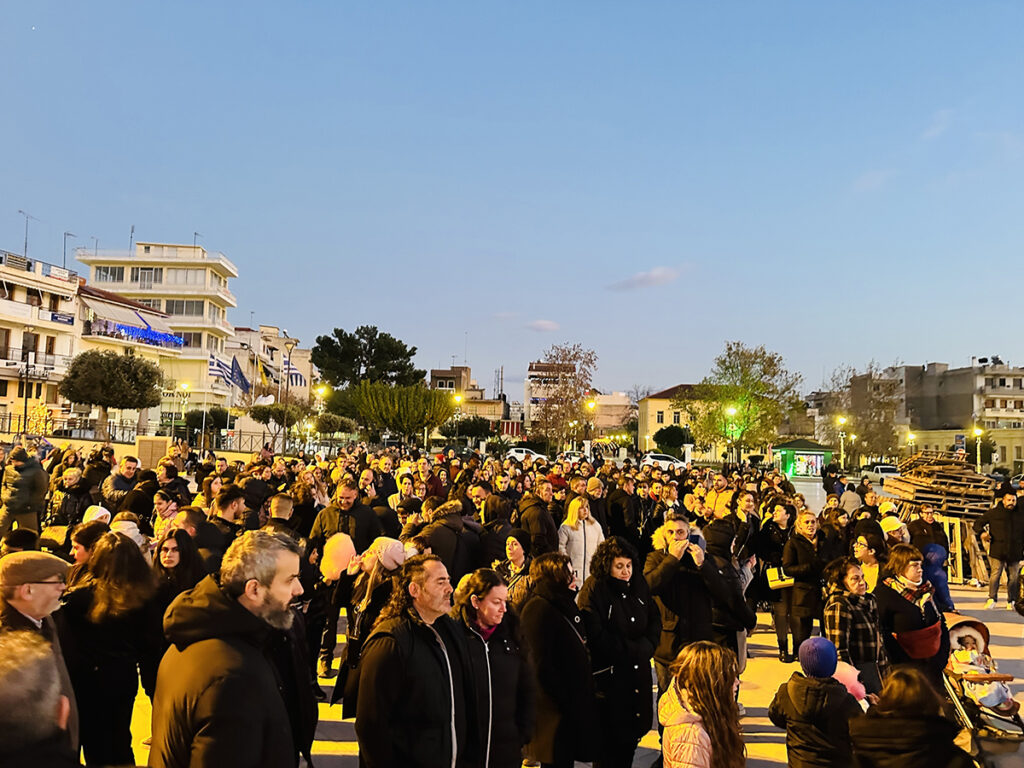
x=195 y=238
x=131 y=238
x=465 y=350
x=27 y=217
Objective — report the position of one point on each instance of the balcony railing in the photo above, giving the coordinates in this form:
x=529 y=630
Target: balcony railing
x=41 y=268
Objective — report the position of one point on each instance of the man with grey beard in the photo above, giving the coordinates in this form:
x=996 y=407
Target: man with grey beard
x=218 y=701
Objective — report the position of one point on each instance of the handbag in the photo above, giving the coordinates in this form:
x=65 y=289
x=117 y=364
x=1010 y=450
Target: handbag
x=777 y=578
x=921 y=643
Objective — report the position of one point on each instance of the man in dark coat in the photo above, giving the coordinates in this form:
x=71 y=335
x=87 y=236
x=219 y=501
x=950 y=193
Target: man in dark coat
x=23 y=494
x=1006 y=530
x=535 y=518
x=415 y=681
x=31 y=585
x=624 y=511
x=218 y=697
x=927 y=530
x=33 y=708
x=116 y=486
x=363 y=526
x=173 y=483
x=680 y=578
x=450 y=540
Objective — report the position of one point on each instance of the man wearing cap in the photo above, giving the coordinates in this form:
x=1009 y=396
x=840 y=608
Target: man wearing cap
x=598 y=503
x=23 y=492
x=31 y=585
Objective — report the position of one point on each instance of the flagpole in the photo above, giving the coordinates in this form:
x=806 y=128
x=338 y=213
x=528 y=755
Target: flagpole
x=202 y=434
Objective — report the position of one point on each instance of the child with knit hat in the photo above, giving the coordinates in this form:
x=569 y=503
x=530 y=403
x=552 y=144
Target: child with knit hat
x=816 y=709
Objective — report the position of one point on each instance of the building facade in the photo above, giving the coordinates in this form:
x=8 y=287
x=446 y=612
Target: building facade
x=189 y=285
x=656 y=411
x=988 y=393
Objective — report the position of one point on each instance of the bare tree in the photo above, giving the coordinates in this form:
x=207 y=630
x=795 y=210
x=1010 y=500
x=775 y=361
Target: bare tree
x=570 y=372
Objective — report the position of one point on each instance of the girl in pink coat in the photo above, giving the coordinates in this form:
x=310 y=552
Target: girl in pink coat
x=699 y=712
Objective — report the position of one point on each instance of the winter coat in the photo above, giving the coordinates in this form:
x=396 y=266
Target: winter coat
x=685 y=743
x=217 y=696
x=103 y=659
x=68 y=505
x=934 y=557
x=51 y=752
x=815 y=713
x=1006 y=527
x=450 y=541
x=897 y=614
x=851 y=501
x=683 y=593
x=901 y=741
x=140 y=500
x=623 y=628
x=922 y=534
x=415 y=684
x=24 y=491
x=93 y=475
x=578 y=544
x=115 y=487
x=835 y=542
x=359 y=522
x=504 y=703
x=802 y=561
x=535 y=518
x=565 y=703
x=13 y=620
x=360 y=624
x=771 y=541
x=519 y=582
x=493 y=536
x=624 y=515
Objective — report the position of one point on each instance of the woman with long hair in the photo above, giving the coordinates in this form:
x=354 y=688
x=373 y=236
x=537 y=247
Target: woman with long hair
x=699 y=712
x=556 y=636
x=211 y=487
x=165 y=507
x=504 y=681
x=770 y=544
x=177 y=566
x=111 y=629
x=623 y=627
x=83 y=538
x=906 y=727
x=578 y=537
x=836 y=532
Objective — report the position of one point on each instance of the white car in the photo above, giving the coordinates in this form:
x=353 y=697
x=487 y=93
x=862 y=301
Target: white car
x=662 y=461
x=521 y=454
x=574 y=457
x=877 y=473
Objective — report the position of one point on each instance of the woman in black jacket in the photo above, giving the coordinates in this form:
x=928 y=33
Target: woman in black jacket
x=801 y=560
x=836 y=534
x=771 y=541
x=913 y=628
x=109 y=629
x=906 y=729
x=623 y=627
x=556 y=637
x=502 y=673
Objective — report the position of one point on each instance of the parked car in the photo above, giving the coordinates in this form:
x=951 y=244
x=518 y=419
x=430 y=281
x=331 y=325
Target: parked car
x=574 y=457
x=878 y=472
x=662 y=461
x=521 y=454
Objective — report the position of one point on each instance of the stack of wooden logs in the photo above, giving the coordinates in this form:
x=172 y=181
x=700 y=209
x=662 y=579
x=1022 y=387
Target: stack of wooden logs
x=944 y=480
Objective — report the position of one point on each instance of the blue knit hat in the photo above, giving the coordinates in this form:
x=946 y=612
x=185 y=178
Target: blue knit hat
x=818 y=657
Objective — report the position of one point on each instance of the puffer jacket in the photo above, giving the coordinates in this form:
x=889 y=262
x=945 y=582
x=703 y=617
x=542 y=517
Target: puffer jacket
x=901 y=741
x=685 y=743
x=579 y=544
x=815 y=712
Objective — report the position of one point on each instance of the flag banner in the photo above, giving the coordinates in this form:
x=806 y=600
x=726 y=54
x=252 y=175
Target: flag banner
x=238 y=378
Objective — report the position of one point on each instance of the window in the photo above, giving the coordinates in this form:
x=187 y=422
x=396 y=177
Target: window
x=156 y=304
x=145 y=249
x=146 y=277
x=675 y=417
x=33 y=297
x=212 y=343
x=51 y=394
x=109 y=274
x=990 y=403
x=217 y=281
x=193 y=339
x=51 y=344
x=3 y=388
x=660 y=417
x=39 y=390
x=215 y=312
x=54 y=303
x=1018 y=452
x=186 y=277
x=189 y=308
x=1017 y=383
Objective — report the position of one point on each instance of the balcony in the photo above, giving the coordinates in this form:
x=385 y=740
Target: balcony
x=199 y=323
x=169 y=291
x=19 y=263
x=13 y=360
x=30 y=314
x=160 y=256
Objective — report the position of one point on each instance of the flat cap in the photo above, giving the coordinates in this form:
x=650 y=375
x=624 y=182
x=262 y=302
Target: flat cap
x=20 y=568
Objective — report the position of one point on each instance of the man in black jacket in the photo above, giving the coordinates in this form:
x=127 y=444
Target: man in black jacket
x=218 y=699
x=624 y=511
x=363 y=526
x=535 y=518
x=25 y=484
x=1006 y=530
x=415 y=683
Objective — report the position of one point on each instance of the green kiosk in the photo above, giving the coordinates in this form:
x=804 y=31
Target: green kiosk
x=802 y=458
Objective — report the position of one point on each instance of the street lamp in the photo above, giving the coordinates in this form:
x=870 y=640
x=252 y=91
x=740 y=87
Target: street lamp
x=731 y=411
x=977 y=445
x=320 y=392
x=458 y=412
x=911 y=438
x=842 y=442
x=29 y=371
x=289 y=345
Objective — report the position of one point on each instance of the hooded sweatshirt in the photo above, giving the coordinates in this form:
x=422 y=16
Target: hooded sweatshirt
x=816 y=713
x=685 y=743
x=217 y=696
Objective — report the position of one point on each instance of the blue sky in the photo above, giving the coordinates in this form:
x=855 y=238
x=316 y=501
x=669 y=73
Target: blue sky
x=839 y=182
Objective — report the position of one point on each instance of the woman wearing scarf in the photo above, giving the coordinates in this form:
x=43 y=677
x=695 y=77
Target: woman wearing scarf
x=913 y=628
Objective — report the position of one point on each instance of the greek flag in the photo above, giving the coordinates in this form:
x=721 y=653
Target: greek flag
x=218 y=368
x=293 y=373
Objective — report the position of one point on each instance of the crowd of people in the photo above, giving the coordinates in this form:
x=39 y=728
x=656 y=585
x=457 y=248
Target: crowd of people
x=495 y=611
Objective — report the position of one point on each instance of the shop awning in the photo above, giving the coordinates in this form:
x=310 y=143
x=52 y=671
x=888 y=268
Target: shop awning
x=114 y=313
x=155 y=322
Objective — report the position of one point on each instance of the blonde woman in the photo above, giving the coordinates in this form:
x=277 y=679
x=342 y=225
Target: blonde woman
x=578 y=538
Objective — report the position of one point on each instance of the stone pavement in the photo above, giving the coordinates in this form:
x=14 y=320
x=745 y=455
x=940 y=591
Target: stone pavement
x=335 y=745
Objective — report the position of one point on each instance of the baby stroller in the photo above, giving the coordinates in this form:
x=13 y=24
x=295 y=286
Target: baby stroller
x=988 y=721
